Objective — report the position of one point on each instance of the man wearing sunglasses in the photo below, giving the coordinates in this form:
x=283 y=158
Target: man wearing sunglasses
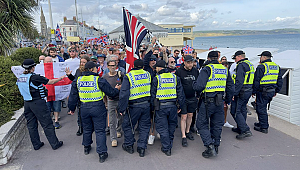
x=172 y=65
x=73 y=56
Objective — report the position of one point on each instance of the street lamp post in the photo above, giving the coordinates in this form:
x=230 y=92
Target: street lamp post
x=51 y=22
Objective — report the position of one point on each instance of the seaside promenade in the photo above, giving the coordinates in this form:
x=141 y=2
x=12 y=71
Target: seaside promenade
x=277 y=150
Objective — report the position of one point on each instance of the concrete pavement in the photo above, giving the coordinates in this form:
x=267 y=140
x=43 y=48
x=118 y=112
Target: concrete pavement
x=277 y=150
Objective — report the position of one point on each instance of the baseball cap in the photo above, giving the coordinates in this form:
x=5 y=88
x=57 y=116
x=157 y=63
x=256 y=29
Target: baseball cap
x=94 y=57
x=101 y=55
x=90 y=52
x=240 y=52
x=153 y=57
x=111 y=49
x=138 y=63
x=160 y=63
x=188 y=58
x=27 y=63
x=266 y=53
x=90 y=65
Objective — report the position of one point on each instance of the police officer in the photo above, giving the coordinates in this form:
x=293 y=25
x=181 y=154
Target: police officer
x=267 y=82
x=243 y=79
x=166 y=91
x=35 y=108
x=213 y=81
x=89 y=89
x=135 y=100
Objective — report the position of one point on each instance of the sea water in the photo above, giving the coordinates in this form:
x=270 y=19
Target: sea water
x=281 y=41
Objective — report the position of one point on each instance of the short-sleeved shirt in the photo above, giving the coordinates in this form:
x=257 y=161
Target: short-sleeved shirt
x=37 y=80
x=113 y=81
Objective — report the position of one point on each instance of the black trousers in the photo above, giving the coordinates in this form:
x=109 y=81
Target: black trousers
x=35 y=111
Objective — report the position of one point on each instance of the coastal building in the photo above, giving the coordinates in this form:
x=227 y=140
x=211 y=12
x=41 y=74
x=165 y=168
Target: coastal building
x=69 y=29
x=43 y=23
x=178 y=35
x=286 y=103
x=119 y=35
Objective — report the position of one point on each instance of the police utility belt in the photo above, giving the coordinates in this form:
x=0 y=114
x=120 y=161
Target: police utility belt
x=144 y=102
x=157 y=104
x=218 y=99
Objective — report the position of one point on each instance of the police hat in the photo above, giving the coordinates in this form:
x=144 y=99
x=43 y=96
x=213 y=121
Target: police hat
x=90 y=65
x=213 y=54
x=240 y=52
x=28 y=63
x=160 y=63
x=266 y=53
x=138 y=63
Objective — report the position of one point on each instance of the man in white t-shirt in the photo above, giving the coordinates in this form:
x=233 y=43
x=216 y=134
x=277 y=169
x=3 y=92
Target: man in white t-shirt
x=73 y=56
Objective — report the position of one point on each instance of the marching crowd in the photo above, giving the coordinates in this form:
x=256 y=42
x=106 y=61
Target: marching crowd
x=148 y=100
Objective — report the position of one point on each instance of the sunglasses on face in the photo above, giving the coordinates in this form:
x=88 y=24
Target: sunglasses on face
x=177 y=53
x=152 y=59
x=82 y=53
x=72 y=51
x=172 y=61
x=111 y=65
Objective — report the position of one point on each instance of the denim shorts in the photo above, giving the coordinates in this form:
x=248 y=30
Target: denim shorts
x=54 y=106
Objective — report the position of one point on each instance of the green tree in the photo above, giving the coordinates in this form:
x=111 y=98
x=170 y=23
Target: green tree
x=15 y=18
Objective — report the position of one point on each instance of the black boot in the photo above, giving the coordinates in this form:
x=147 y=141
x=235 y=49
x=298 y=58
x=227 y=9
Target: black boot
x=217 y=149
x=102 y=157
x=261 y=129
x=189 y=136
x=184 y=142
x=141 y=151
x=257 y=124
x=79 y=132
x=38 y=147
x=209 y=152
x=167 y=152
x=87 y=149
x=60 y=143
x=236 y=130
x=128 y=149
x=244 y=135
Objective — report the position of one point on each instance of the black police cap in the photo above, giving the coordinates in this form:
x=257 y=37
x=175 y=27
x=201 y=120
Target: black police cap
x=90 y=65
x=28 y=63
x=266 y=53
x=240 y=52
x=213 y=54
x=138 y=63
x=160 y=63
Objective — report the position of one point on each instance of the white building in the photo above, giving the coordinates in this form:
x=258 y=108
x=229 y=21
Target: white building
x=286 y=105
x=118 y=34
x=69 y=28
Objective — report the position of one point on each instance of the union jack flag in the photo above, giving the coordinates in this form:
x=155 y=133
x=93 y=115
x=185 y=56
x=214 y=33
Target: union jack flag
x=187 y=49
x=57 y=32
x=135 y=32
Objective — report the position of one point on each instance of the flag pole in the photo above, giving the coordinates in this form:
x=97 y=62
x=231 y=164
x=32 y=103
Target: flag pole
x=156 y=40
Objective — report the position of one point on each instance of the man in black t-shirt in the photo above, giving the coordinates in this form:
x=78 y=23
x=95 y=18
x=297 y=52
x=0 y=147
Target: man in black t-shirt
x=188 y=75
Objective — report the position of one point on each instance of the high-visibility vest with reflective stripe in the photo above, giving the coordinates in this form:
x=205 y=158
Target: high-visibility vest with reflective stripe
x=249 y=76
x=270 y=74
x=166 y=86
x=140 y=84
x=88 y=89
x=217 y=79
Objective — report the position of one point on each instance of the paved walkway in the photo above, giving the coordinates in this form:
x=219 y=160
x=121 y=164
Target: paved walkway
x=274 y=151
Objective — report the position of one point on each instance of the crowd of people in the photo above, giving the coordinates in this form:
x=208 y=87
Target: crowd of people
x=162 y=86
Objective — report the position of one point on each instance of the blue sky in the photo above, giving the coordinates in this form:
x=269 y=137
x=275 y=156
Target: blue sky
x=205 y=15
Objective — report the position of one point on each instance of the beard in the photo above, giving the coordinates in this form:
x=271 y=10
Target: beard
x=81 y=68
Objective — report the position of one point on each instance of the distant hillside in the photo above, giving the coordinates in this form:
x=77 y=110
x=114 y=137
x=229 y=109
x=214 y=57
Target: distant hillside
x=245 y=32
